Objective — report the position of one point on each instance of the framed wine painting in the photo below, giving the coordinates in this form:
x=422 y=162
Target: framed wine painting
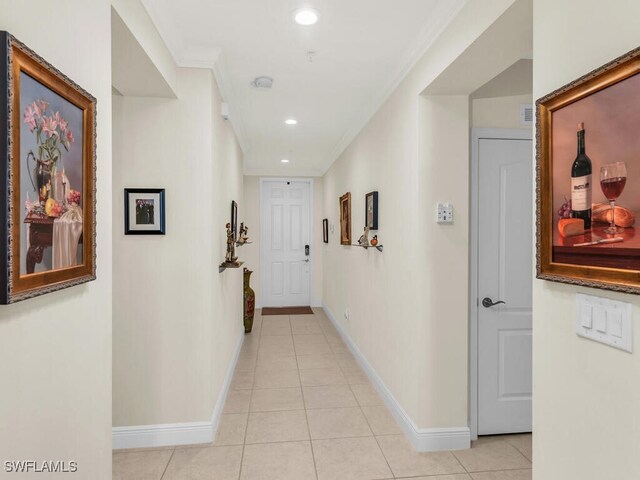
x=144 y=211
x=345 y=219
x=588 y=179
x=47 y=150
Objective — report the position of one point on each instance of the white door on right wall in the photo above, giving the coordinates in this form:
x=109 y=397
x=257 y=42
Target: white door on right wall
x=504 y=275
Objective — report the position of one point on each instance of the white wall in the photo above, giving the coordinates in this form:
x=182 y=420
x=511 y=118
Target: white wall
x=134 y=15
x=409 y=304
x=586 y=395
x=251 y=253
x=176 y=319
x=499 y=112
x=55 y=350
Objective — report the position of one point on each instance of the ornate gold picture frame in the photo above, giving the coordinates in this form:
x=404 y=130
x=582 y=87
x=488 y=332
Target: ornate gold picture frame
x=47 y=150
x=603 y=109
x=345 y=219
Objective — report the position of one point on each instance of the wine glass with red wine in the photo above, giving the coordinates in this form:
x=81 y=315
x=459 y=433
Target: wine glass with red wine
x=613 y=177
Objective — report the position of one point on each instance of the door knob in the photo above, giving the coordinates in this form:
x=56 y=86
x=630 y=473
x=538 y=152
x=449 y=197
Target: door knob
x=487 y=302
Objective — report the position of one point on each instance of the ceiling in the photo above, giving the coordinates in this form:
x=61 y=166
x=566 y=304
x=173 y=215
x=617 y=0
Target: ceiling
x=362 y=50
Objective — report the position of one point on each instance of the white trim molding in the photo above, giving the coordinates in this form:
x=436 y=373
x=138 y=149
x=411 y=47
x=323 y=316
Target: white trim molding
x=217 y=411
x=422 y=439
x=192 y=433
x=147 y=436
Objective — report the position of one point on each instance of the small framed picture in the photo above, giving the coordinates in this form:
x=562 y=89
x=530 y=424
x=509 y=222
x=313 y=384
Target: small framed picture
x=234 y=218
x=325 y=230
x=345 y=219
x=371 y=210
x=144 y=211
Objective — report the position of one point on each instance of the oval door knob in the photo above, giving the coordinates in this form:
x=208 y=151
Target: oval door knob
x=487 y=302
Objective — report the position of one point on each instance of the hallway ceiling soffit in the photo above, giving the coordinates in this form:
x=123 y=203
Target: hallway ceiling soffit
x=333 y=102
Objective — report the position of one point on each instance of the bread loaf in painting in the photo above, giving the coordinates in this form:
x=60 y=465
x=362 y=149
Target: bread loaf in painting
x=601 y=212
x=569 y=227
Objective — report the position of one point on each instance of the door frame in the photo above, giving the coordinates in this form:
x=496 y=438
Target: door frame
x=261 y=262
x=478 y=134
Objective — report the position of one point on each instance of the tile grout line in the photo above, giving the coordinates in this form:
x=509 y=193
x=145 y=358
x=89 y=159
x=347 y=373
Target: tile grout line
x=373 y=433
x=306 y=415
x=166 y=467
x=246 y=427
x=460 y=463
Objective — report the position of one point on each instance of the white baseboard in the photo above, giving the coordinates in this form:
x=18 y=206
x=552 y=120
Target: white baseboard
x=147 y=436
x=217 y=411
x=422 y=439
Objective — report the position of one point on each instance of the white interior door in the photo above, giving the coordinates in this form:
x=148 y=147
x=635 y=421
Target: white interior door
x=285 y=232
x=504 y=274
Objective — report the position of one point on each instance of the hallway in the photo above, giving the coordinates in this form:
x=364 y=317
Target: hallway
x=300 y=407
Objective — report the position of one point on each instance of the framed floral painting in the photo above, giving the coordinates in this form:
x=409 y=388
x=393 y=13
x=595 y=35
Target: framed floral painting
x=47 y=150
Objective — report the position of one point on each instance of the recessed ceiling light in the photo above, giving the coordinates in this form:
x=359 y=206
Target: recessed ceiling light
x=284 y=160
x=291 y=121
x=306 y=16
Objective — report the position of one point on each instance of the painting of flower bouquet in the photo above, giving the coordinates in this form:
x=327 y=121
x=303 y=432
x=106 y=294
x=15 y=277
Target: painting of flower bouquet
x=49 y=159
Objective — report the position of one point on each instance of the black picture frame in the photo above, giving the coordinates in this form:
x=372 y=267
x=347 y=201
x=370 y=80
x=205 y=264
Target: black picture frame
x=234 y=218
x=325 y=230
x=371 y=210
x=146 y=219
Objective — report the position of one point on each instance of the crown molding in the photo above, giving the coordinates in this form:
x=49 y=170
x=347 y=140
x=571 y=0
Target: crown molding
x=444 y=13
x=214 y=60
x=189 y=56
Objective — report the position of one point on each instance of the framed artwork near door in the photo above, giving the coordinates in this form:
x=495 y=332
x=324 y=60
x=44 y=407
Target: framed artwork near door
x=234 y=218
x=144 y=211
x=325 y=230
x=345 y=219
x=48 y=176
x=371 y=210
x=588 y=179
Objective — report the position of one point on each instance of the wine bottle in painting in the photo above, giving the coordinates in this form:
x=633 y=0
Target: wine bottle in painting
x=581 y=182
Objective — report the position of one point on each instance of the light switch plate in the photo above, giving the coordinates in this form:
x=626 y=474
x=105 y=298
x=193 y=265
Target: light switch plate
x=605 y=321
x=444 y=213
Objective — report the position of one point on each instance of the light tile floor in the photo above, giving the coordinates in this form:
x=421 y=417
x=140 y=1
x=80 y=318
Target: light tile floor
x=300 y=407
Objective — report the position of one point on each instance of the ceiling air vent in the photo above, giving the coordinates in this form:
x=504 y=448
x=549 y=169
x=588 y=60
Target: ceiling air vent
x=526 y=115
x=262 y=83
